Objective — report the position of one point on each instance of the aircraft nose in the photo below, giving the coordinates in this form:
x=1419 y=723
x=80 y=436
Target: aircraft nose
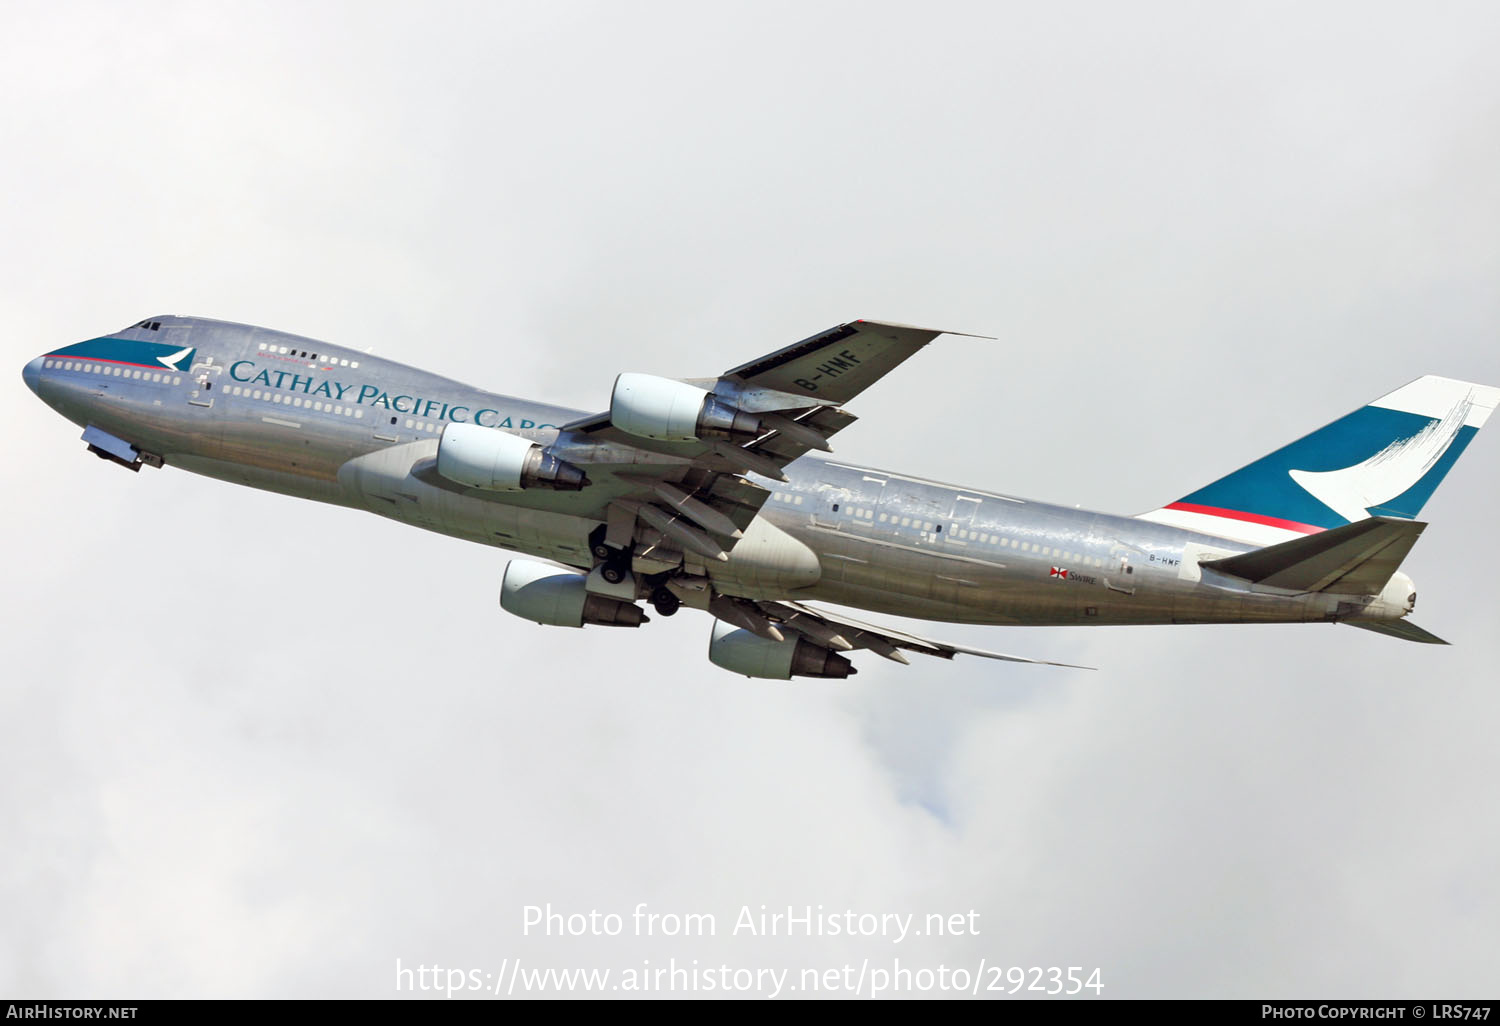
x=32 y=373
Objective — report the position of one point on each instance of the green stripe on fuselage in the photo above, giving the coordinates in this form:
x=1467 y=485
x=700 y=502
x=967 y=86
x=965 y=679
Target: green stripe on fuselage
x=155 y=355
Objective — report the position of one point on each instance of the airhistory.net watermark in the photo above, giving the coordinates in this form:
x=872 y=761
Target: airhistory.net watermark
x=749 y=921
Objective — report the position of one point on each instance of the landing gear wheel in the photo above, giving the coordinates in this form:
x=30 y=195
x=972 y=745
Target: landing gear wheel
x=603 y=551
x=614 y=573
x=665 y=602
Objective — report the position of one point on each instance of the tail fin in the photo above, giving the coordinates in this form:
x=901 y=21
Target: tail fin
x=1384 y=459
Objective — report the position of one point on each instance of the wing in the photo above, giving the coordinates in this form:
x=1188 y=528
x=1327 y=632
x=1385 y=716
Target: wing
x=836 y=365
x=674 y=498
x=843 y=633
x=673 y=493
x=795 y=390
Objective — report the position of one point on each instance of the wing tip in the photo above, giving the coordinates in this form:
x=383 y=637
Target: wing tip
x=876 y=323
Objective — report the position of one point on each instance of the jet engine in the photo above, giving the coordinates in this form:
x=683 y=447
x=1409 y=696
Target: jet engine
x=738 y=651
x=674 y=411
x=500 y=461
x=557 y=597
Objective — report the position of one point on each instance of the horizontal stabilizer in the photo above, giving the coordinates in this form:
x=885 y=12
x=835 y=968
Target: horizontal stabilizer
x=1402 y=629
x=1356 y=559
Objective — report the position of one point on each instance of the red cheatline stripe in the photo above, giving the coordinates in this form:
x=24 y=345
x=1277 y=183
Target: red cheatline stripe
x=1253 y=518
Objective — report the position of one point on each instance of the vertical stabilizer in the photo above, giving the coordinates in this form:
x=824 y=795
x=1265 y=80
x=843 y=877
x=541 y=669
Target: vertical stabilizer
x=1384 y=459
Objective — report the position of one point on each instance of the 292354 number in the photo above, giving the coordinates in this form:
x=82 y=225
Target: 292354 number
x=1044 y=980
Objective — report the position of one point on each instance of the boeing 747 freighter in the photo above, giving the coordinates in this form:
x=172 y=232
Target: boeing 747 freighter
x=703 y=493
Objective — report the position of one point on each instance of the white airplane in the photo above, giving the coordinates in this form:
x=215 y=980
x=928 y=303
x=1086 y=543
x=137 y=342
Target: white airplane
x=700 y=493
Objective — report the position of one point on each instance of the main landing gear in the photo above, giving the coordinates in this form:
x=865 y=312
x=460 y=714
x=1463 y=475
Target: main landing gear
x=614 y=564
x=614 y=567
x=664 y=601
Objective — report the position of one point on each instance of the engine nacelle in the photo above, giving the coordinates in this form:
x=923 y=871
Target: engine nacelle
x=738 y=651
x=557 y=597
x=500 y=461
x=674 y=411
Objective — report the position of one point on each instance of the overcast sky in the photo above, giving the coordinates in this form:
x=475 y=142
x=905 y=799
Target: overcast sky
x=263 y=747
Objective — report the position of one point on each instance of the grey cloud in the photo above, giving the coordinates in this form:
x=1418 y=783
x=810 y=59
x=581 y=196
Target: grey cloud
x=265 y=748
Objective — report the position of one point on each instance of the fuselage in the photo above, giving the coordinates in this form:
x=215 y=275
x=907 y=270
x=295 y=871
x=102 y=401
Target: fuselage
x=319 y=421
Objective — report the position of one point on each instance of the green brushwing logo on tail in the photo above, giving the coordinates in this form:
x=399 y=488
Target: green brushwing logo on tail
x=1384 y=459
